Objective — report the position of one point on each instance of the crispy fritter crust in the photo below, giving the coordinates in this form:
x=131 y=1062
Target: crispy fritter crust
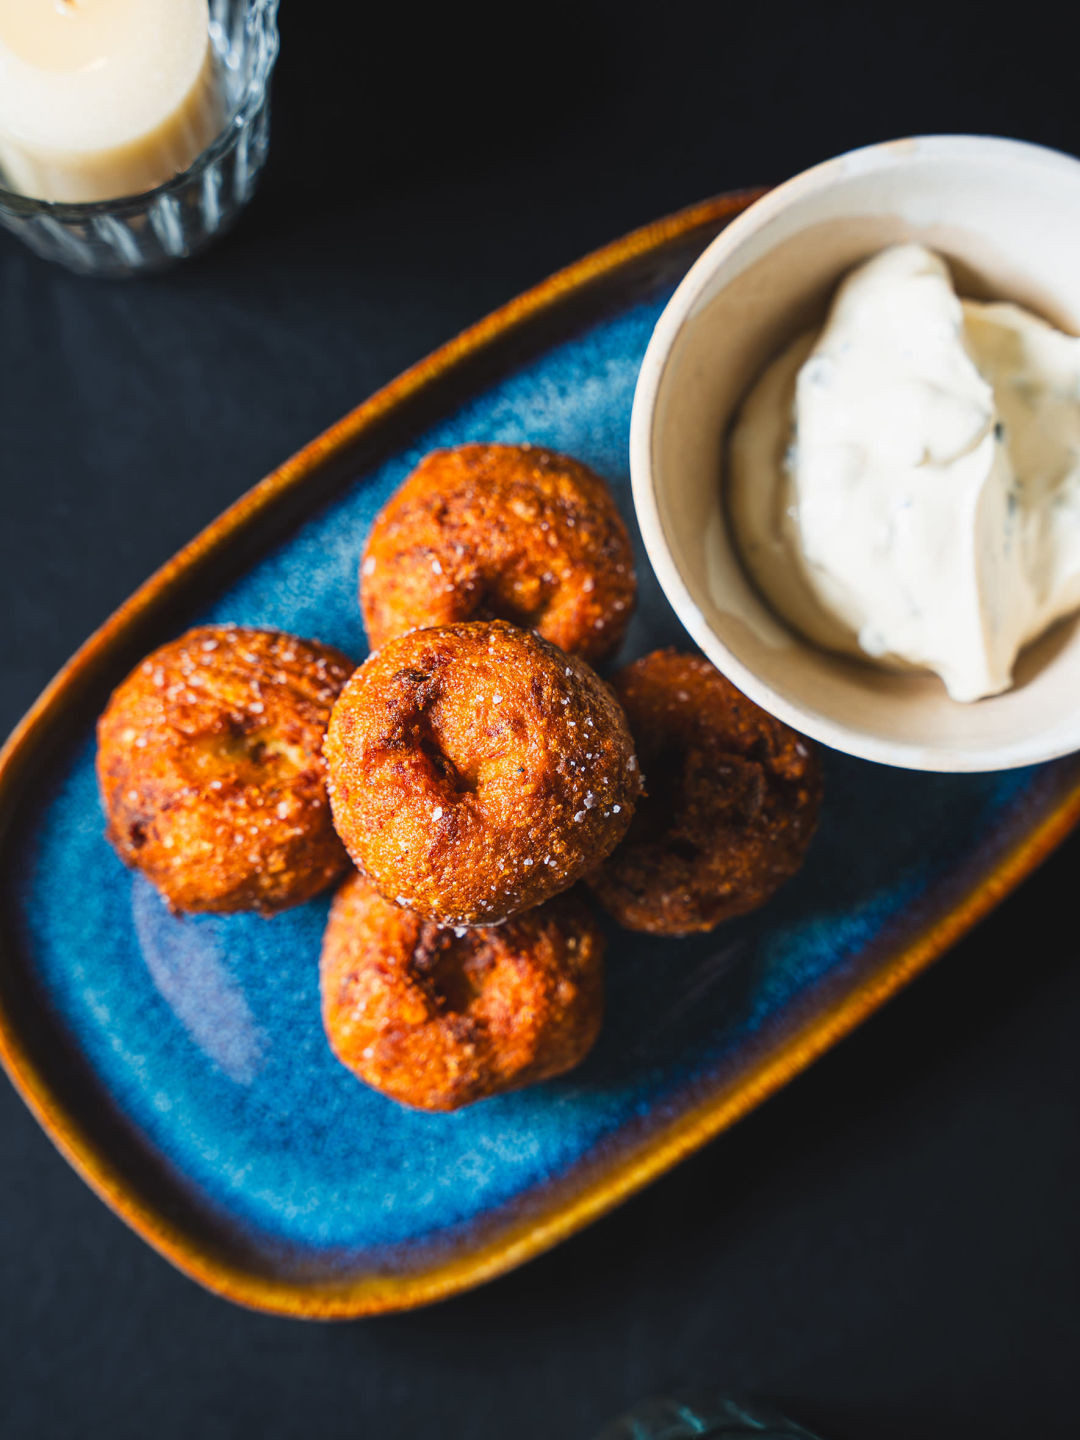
x=211 y=770
x=437 y=1019
x=475 y=771
x=507 y=532
x=731 y=803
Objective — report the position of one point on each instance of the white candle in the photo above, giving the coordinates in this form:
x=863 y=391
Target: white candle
x=103 y=98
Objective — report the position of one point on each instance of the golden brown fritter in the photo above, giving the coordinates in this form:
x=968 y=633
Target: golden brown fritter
x=211 y=770
x=731 y=800
x=475 y=770
x=506 y=532
x=438 y=1018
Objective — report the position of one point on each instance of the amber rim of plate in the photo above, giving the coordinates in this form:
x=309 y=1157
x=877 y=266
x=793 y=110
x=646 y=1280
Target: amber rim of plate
x=569 y=1204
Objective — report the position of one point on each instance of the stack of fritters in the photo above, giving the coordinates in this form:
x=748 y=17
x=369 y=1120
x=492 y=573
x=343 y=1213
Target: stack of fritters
x=476 y=767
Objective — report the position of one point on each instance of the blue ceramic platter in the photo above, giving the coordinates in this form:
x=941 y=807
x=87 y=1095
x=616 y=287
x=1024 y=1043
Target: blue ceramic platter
x=181 y=1063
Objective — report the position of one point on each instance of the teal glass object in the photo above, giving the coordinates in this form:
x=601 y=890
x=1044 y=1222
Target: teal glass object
x=711 y=1418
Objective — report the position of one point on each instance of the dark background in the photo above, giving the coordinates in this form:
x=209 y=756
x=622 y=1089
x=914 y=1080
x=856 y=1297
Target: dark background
x=890 y=1248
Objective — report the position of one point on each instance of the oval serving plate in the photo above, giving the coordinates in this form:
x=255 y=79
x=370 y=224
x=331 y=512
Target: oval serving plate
x=180 y=1064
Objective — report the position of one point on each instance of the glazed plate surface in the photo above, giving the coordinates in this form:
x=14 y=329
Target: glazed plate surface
x=180 y=1063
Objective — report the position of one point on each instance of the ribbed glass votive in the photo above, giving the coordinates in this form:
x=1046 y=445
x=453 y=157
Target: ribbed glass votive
x=141 y=233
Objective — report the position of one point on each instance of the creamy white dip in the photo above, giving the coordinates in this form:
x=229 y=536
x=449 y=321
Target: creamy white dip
x=905 y=484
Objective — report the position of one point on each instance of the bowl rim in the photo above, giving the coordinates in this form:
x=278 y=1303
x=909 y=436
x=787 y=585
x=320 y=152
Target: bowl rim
x=882 y=156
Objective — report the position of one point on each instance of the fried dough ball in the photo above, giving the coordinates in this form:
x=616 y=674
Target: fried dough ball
x=731 y=800
x=211 y=770
x=507 y=532
x=438 y=1018
x=475 y=770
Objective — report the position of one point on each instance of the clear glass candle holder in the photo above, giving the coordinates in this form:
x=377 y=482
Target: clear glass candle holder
x=140 y=233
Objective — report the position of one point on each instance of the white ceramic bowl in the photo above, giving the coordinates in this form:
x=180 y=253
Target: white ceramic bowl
x=1006 y=216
